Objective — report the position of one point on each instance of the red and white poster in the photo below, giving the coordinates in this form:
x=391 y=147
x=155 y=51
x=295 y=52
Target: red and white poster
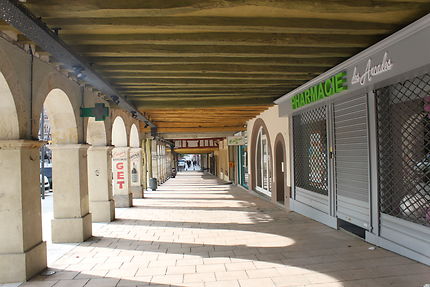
x=119 y=169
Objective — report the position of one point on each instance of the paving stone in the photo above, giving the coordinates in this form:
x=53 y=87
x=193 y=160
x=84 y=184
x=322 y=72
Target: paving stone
x=195 y=231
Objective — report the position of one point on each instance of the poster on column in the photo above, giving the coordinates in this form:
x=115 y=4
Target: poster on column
x=135 y=156
x=119 y=169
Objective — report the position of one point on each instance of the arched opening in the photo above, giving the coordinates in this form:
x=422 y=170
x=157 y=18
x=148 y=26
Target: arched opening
x=96 y=132
x=9 y=128
x=61 y=117
x=135 y=163
x=134 y=136
x=119 y=133
x=280 y=168
x=261 y=159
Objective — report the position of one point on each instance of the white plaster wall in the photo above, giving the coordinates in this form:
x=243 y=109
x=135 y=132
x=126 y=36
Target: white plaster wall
x=275 y=125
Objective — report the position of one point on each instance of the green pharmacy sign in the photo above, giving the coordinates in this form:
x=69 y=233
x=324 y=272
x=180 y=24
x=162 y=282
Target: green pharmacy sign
x=325 y=89
x=99 y=112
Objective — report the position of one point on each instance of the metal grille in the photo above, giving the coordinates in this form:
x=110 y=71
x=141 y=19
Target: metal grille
x=404 y=150
x=310 y=150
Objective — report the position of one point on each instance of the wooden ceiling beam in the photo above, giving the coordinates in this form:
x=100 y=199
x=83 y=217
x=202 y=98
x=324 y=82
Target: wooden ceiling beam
x=212 y=68
x=216 y=93
x=192 y=81
x=209 y=75
x=111 y=8
x=196 y=90
x=201 y=97
x=217 y=39
x=147 y=105
x=221 y=124
x=222 y=24
x=198 y=130
x=224 y=50
x=256 y=61
x=215 y=109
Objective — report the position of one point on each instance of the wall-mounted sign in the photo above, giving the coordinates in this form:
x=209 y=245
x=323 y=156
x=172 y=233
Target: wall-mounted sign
x=135 y=156
x=99 y=112
x=327 y=88
x=371 y=71
x=119 y=169
x=236 y=140
x=197 y=143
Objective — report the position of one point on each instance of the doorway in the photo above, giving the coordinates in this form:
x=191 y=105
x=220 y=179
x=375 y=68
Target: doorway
x=280 y=172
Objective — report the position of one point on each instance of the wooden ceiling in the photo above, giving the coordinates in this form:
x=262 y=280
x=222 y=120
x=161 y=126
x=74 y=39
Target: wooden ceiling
x=210 y=65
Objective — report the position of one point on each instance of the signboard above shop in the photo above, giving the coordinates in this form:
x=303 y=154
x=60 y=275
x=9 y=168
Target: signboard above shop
x=324 y=89
x=236 y=140
x=401 y=55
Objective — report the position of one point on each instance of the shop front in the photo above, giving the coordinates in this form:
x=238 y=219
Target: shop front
x=239 y=158
x=360 y=144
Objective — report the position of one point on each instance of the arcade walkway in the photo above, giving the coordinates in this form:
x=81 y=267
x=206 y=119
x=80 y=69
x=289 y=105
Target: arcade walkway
x=196 y=231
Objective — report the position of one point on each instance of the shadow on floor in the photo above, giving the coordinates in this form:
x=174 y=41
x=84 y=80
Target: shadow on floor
x=283 y=247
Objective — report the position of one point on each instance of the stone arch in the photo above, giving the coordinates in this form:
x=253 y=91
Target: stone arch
x=119 y=132
x=9 y=128
x=259 y=123
x=280 y=177
x=61 y=116
x=49 y=82
x=134 y=136
x=96 y=132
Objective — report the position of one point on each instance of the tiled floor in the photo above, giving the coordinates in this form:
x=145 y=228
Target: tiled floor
x=194 y=231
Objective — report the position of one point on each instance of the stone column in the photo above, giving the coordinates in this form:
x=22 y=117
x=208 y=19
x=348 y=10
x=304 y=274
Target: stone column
x=144 y=167
x=149 y=158
x=72 y=218
x=121 y=183
x=135 y=172
x=155 y=167
x=102 y=205
x=22 y=251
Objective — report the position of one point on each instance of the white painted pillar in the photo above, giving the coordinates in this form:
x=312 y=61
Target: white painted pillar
x=22 y=251
x=72 y=218
x=135 y=172
x=102 y=205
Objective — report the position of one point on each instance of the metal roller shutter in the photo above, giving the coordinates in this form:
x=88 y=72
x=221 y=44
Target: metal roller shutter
x=351 y=161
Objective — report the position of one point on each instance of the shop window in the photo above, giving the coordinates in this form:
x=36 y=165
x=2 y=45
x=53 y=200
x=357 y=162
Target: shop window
x=310 y=150
x=263 y=174
x=404 y=150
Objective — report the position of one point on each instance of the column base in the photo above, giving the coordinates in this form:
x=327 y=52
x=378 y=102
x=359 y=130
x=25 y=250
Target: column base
x=123 y=200
x=67 y=230
x=19 y=267
x=137 y=191
x=102 y=211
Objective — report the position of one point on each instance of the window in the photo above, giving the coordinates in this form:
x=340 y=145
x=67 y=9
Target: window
x=310 y=150
x=403 y=150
